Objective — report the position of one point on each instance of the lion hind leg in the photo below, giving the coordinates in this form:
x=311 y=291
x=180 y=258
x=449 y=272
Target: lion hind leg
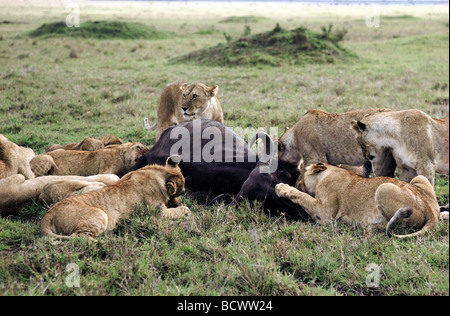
x=396 y=204
x=93 y=223
x=66 y=221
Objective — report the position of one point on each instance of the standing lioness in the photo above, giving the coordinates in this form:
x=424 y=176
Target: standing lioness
x=179 y=103
x=331 y=193
x=419 y=143
x=319 y=136
x=93 y=213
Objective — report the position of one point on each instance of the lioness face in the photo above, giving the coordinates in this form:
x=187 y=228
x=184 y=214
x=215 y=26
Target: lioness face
x=311 y=178
x=369 y=150
x=287 y=150
x=196 y=99
x=134 y=152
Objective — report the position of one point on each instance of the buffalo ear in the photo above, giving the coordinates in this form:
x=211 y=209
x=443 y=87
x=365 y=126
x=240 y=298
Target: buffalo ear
x=358 y=126
x=280 y=146
x=212 y=91
x=173 y=161
x=318 y=167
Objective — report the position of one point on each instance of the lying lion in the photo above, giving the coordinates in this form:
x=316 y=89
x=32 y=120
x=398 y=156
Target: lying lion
x=93 y=213
x=16 y=192
x=115 y=159
x=331 y=193
x=14 y=159
x=179 y=103
x=88 y=144
x=418 y=142
x=324 y=137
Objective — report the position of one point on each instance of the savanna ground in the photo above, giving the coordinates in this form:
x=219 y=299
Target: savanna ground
x=60 y=89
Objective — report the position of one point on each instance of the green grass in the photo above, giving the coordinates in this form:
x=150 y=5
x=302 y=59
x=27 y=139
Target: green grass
x=48 y=97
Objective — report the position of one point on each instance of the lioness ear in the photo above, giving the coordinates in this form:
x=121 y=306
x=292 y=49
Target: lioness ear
x=171 y=188
x=212 y=91
x=319 y=167
x=358 y=126
x=173 y=161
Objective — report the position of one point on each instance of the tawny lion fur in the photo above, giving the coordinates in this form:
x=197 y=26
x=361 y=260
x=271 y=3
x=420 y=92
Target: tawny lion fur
x=88 y=144
x=16 y=192
x=324 y=137
x=93 y=213
x=14 y=159
x=419 y=143
x=179 y=103
x=331 y=193
x=115 y=159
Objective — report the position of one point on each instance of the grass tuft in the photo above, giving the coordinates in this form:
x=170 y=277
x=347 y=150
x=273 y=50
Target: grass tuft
x=99 y=30
x=275 y=48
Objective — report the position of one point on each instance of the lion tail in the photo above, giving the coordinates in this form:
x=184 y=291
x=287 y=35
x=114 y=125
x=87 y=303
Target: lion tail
x=405 y=212
x=148 y=127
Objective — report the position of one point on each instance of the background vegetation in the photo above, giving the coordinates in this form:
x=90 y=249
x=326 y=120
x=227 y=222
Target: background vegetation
x=61 y=88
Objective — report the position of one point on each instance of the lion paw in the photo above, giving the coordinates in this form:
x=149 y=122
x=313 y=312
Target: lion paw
x=177 y=212
x=282 y=189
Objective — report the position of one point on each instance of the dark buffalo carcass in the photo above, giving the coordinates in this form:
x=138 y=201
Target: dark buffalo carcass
x=213 y=157
x=260 y=185
x=216 y=159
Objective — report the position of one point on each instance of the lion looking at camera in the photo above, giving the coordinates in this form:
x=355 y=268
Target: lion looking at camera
x=179 y=103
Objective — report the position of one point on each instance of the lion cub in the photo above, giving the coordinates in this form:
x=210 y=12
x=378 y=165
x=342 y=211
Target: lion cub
x=115 y=159
x=14 y=159
x=331 y=193
x=88 y=144
x=95 y=212
x=179 y=103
